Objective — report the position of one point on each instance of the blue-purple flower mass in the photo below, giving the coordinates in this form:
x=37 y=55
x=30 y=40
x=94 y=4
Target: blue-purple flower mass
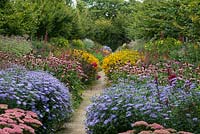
x=37 y=91
x=124 y=103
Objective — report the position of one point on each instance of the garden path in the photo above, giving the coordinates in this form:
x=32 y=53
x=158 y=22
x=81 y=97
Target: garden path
x=76 y=126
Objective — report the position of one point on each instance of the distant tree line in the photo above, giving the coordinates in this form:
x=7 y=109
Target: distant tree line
x=109 y=22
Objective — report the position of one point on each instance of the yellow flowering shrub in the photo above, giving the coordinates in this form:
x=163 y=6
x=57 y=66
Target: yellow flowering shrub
x=118 y=59
x=90 y=63
x=85 y=56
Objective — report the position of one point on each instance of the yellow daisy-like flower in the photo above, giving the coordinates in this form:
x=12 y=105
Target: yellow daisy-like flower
x=120 y=58
x=86 y=57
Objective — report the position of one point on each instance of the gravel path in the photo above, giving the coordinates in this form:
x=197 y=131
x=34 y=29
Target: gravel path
x=76 y=126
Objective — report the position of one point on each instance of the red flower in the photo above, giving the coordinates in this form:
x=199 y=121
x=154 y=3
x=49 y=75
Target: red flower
x=98 y=77
x=94 y=64
x=172 y=76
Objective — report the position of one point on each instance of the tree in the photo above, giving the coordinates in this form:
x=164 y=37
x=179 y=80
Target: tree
x=111 y=17
x=18 y=18
x=165 y=18
x=54 y=18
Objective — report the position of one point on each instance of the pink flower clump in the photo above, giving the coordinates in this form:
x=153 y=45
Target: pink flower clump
x=18 y=121
x=142 y=127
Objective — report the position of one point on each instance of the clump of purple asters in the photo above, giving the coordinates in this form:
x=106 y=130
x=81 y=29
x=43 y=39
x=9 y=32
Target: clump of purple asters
x=142 y=99
x=39 y=92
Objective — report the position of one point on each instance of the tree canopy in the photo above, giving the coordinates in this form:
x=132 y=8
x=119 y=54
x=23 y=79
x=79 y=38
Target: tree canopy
x=109 y=22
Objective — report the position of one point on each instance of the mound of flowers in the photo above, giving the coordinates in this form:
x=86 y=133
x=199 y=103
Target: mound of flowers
x=36 y=91
x=116 y=60
x=89 y=62
x=142 y=127
x=17 y=121
x=64 y=68
x=172 y=106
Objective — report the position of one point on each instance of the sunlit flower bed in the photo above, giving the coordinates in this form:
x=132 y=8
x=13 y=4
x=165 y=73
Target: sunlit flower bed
x=39 y=92
x=118 y=59
x=173 y=106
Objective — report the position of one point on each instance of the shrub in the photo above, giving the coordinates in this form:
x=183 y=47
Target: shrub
x=18 y=121
x=71 y=73
x=162 y=48
x=118 y=59
x=77 y=44
x=63 y=68
x=189 y=52
x=60 y=42
x=16 y=45
x=89 y=44
x=173 y=49
x=121 y=104
x=39 y=92
x=90 y=64
x=41 y=48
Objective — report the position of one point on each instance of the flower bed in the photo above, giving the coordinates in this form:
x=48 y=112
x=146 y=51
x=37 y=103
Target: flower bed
x=143 y=99
x=39 y=92
x=163 y=70
x=90 y=64
x=142 y=127
x=64 y=68
x=118 y=59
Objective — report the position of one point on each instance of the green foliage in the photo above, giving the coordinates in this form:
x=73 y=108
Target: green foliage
x=40 y=19
x=171 y=48
x=77 y=44
x=189 y=52
x=18 y=18
x=41 y=48
x=54 y=18
x=16 y=46
x=104 y=8
x=166 y=18
x=110 y=19
x=89 y=44
x=99 y=56
x=60 y=42
x=161 y=48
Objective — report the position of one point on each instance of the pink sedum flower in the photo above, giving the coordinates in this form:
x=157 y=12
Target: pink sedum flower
x=155 y=126
x=16 y=121
x=162 y=131
x=140 y=123
x=145 y=132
